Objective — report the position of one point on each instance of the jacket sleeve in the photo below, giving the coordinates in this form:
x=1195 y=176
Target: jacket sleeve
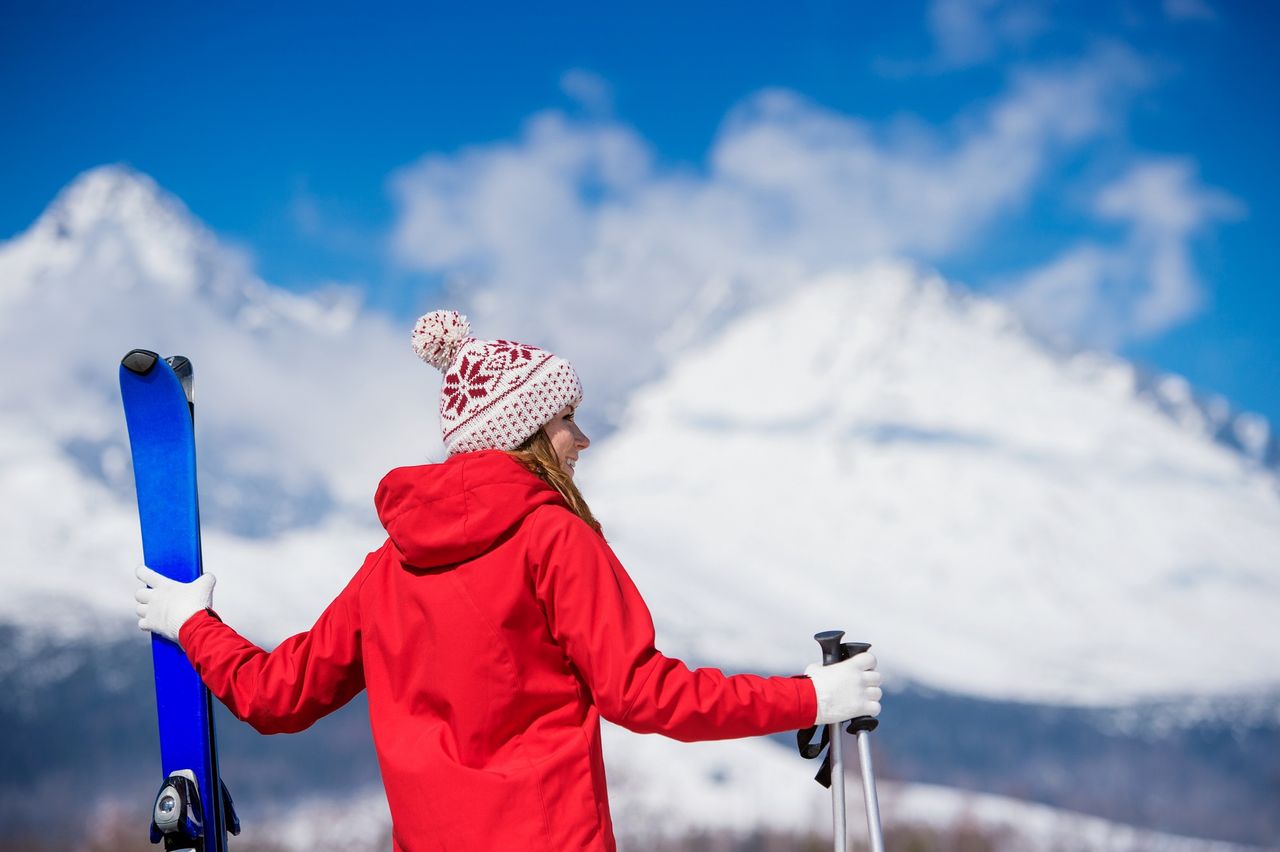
x=286 y=690
x=597 y=615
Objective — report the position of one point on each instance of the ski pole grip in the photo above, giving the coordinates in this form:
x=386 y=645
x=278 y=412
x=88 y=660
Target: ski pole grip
x=862 y=723
x=831 y=647
x=833 y=650
x=853 y=649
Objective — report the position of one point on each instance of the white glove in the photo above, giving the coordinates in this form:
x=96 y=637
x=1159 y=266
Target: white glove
x=847 y=689
x=167 y=605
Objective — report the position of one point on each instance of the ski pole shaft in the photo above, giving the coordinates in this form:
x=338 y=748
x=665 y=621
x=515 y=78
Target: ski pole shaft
x=839 y=825
x=869 y=796
x=832 y=651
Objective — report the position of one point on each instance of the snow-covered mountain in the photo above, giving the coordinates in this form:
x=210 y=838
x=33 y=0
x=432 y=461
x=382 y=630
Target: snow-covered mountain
x=880 y=452
x=302 y=404
x=875 y=450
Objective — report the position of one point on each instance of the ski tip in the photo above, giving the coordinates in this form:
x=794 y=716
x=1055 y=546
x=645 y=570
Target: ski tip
x=139 y=361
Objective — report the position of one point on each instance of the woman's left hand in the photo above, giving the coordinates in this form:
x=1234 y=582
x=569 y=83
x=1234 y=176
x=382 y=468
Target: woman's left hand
x=847 y=689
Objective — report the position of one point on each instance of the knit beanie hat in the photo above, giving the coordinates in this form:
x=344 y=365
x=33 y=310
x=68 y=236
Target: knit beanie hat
x=496 y=393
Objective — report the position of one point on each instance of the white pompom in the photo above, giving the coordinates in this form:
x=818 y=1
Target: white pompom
x=439 y=335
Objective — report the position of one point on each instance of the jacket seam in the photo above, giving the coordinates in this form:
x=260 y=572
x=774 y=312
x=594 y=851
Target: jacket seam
x=626 y=713
x=517 y=686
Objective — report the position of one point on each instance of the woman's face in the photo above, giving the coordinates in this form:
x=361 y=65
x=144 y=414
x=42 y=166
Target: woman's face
x=566 y=438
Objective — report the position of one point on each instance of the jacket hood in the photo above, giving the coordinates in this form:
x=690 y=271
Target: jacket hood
x=442 y=514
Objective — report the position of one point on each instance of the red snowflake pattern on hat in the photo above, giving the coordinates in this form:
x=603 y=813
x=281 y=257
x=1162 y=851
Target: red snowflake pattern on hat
x=469 y=382
x=509 y=354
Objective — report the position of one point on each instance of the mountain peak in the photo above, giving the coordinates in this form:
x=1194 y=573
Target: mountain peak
x=115 y=229
x=115 y=234
x=111 y=193
x=117 y=209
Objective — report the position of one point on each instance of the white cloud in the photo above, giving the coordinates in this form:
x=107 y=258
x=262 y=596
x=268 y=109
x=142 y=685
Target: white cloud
x=969 y=32
x=591 y=91
x=1189 y=10
x=573 y=237
x=966 y=33
x=1063 y=296
x=1146 y=284
x=961 y=29
x=854 y=192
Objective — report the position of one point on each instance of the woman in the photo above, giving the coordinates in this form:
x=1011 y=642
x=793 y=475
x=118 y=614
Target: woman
x=492 y=629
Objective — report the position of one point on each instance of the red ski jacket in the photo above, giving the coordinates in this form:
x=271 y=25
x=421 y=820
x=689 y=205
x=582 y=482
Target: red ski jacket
x=492 y=630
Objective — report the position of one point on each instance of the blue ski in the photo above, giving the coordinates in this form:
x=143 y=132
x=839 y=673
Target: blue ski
x=192 y=809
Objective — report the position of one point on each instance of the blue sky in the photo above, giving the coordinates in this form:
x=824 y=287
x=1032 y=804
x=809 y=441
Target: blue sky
x=1106 y=166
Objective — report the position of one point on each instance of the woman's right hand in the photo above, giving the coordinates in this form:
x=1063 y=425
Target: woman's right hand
x=847 y=689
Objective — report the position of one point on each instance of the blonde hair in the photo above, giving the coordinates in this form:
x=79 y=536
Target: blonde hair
x=537 y=454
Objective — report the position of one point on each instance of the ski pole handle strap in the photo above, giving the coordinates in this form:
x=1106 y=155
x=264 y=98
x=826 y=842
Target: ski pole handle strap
x=809 y=750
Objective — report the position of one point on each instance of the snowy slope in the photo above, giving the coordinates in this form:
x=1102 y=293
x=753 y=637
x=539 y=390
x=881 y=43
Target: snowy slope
x=665 y=789
x=879 y=453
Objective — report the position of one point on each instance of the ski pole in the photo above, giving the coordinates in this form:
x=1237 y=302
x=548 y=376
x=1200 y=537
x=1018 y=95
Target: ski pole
x=831 y=654
x=833 y=651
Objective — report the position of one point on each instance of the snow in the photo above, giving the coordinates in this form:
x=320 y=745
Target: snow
x=878 y=454
x=662 y=788
x=876 y=451
x=1029 y=827
x=873 y=450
